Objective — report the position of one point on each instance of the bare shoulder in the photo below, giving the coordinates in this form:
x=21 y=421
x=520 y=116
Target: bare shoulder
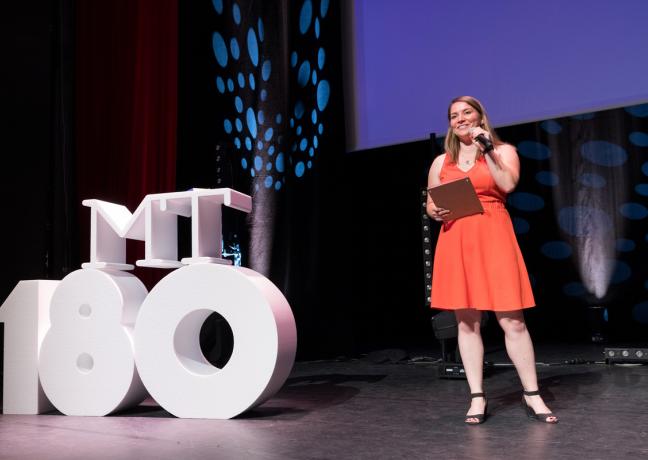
x=438 y=162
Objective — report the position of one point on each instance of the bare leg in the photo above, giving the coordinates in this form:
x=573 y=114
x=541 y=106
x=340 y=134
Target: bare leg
x=520 y=350
x=471 y=348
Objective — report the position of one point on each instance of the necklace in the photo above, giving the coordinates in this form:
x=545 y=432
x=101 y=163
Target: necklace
x=467 y=158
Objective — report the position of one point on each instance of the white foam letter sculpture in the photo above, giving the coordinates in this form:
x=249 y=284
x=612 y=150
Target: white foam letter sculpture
x=87 y=363
x=25 y=315
x=110 y=340
x=168 y=353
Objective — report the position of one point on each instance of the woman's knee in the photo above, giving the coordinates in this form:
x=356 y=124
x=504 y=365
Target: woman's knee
x=513 y=326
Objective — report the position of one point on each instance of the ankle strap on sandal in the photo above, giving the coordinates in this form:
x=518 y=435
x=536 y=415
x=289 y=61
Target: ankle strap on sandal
x=477 y=395
x=531 y=393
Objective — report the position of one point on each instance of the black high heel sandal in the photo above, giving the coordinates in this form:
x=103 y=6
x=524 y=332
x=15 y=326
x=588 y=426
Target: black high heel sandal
x=481 y=418
x=532 y=413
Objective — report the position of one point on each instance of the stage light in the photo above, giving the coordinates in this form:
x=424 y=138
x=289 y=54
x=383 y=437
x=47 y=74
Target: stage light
x=626 y=355
x=426 y=240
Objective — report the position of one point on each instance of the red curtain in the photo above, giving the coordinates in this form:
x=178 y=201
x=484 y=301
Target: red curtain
x=126 y=106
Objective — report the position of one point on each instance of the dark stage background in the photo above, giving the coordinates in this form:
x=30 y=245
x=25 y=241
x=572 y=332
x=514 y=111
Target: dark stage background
x=39 y=227
x=118 y=102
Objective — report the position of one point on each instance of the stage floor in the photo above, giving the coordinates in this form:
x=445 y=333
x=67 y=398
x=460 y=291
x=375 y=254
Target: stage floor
x=363 y=409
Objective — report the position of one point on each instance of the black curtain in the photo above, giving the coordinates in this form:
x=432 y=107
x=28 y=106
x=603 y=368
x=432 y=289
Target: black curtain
x=63 y=253
x=260 y=99
x=585 y=241
x=40 y=223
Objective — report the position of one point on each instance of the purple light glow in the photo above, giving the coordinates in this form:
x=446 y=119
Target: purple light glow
x=525 y=61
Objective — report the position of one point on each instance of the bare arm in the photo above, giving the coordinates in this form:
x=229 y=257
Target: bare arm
x=503 y=162
x=435 y=213
x=504 y=165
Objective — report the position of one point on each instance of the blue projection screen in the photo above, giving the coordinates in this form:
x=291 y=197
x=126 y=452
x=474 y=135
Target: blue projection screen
x=524 y=60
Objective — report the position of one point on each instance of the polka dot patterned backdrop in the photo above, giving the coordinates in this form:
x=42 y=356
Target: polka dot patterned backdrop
x=273 y=137
x=557 y=212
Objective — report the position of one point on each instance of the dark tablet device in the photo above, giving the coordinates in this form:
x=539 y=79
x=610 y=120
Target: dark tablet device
x=458 y=197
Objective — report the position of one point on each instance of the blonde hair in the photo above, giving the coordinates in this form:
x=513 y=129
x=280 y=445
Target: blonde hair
x=452 y=142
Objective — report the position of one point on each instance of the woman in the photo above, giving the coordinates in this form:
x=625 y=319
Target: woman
x=478 y=265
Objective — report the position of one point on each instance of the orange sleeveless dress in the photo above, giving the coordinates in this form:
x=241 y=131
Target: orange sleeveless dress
x=478 y=263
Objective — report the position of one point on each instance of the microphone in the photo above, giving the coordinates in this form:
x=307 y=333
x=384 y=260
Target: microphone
x=486 y=142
